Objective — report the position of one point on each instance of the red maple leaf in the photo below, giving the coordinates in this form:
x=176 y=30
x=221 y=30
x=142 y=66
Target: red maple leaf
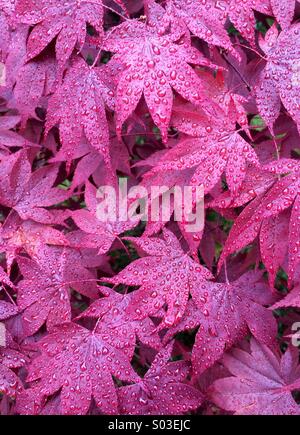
x=154 y=64
x=280 y=79
x=216 y=147
x=28 y=193
x=121 y=325
x=225 y=312
x=167 y=275
x=10 y=359
x=16 y=235
x=7 y=310
x=284 y=11
x=8 y=137
x=291 y=300
x=64 y=21
x=262 y=382
x=267 y=215
x=35 y=79
x=207 y=19
x=10 y=384
x=81 y=364
x=44 y=292
x=162 y=390
x=78 y=106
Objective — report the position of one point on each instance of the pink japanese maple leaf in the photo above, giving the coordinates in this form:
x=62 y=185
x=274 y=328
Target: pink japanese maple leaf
x=162 y=391
x=10 y=358
x=5 y=34
x=225 y=312
x=91 y=164
x=81 y=364
x=221 y=88
x=170 y=180
x=192 y=234
x=4 y=278
x=273 y=231
x=262 y=382
x=257 y=181
x=64 y=21
x=274 y=236
x=9 y=122
x=8 y=137
x=88 y=163
x=7 y=6
x=44 y=291
x=35 y=80
x=266 y=215
x=207 y=19
x=10 y=384
x=292 y=299
x=16 y=235
x=6 y=13
x=154 y=64
x=121 y=325
x=280 y=80
x=78 y=106
x=7 y=310
x=16 y=57
x=215 y=147
x=284 y=11
x=167 y=275
x=98 y=234
x=28 y=193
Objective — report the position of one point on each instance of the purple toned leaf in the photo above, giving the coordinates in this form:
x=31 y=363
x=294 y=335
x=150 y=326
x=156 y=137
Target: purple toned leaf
x=262 y=383
x=80 y=363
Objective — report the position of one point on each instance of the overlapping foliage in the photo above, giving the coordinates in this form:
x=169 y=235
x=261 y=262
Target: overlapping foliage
x=147 y=318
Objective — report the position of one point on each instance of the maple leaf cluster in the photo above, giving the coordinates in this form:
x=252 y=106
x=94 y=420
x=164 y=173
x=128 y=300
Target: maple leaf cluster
x=135 y=317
